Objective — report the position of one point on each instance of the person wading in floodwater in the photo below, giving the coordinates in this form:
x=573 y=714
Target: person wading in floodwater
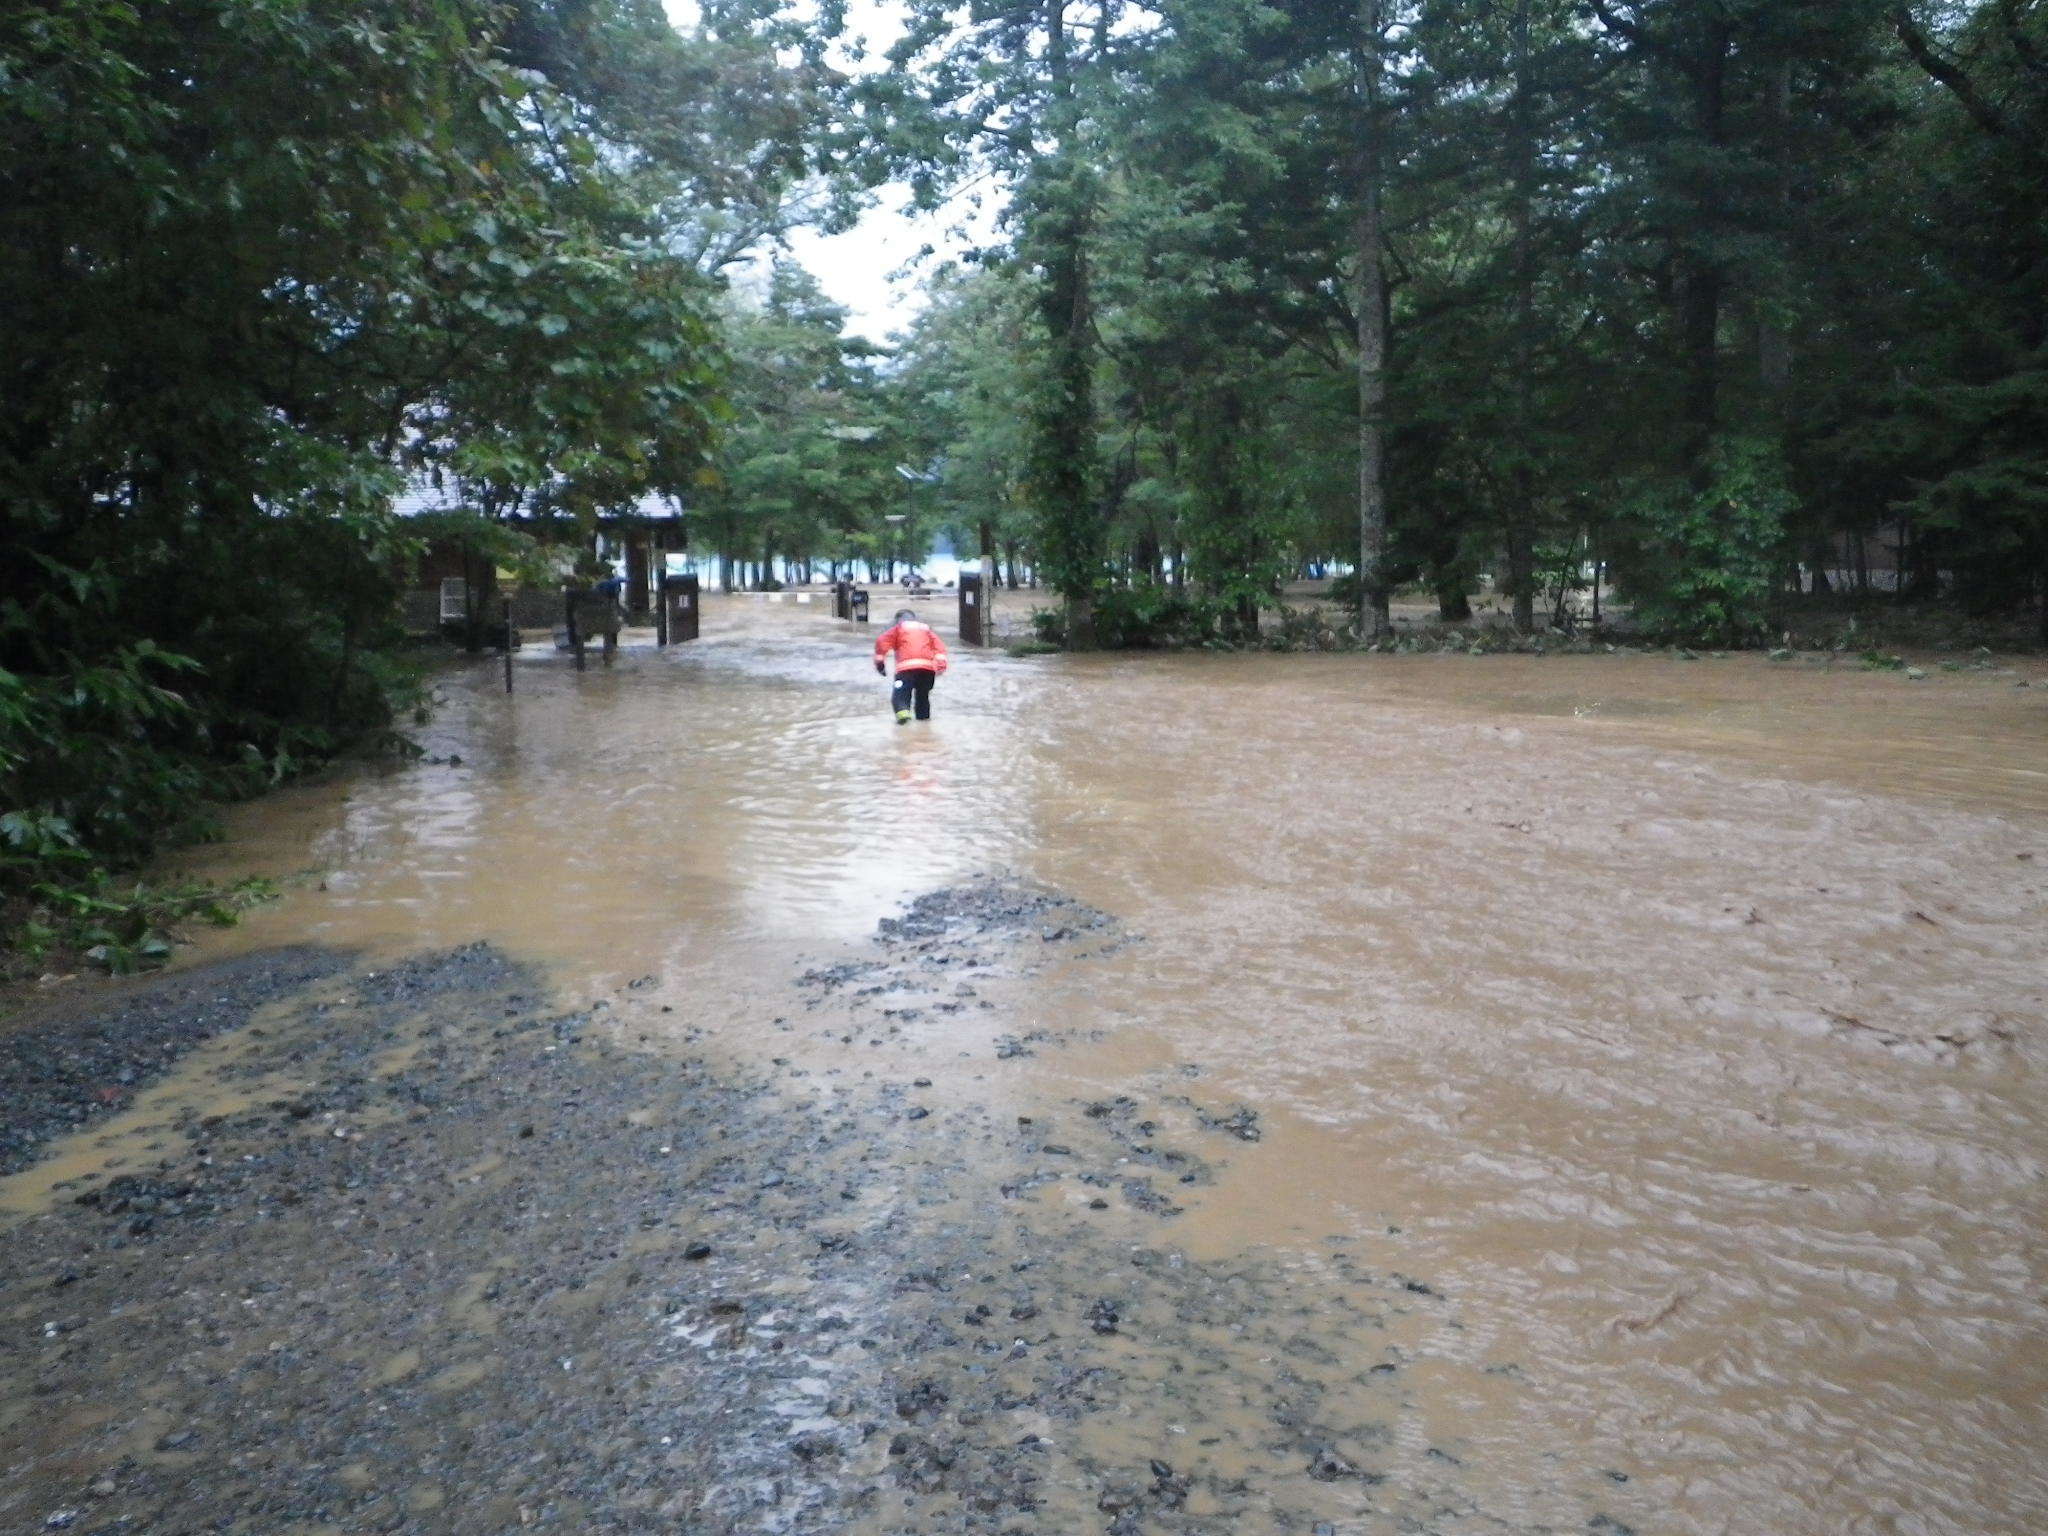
x=920 y=658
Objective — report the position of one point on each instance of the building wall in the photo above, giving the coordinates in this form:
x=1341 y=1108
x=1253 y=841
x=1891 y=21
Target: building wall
x=532 y=608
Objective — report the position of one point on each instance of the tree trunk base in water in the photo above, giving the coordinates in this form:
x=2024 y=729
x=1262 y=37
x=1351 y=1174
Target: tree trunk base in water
x=1080 y=624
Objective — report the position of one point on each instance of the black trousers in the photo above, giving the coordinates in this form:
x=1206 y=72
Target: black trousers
x=913 y=691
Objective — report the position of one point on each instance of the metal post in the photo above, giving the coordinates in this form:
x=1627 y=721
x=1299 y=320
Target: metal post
x=508 y=644
x=661 y=607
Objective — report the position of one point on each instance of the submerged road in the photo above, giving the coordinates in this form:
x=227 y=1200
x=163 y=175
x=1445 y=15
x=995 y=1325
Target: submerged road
x=1164 y=1094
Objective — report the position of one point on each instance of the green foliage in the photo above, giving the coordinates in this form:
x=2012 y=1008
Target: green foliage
x=124 y=927
x=955 y=387
x=1699 y=563
x=258 y=258
x=1615 y=240
x=1013 y=90
x=807 y=465
x=1144 y=616
x=1309 y=629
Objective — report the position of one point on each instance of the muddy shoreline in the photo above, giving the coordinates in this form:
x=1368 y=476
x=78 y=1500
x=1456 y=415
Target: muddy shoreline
x=69 y=1062
x=483 y=1262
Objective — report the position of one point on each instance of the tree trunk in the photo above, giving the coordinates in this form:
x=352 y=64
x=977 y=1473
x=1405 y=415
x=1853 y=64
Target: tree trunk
x=1521 y=518
x=1773 y=341
x=1820 y=555
x=1700 y=302
x=1145 y=560
x=1521 y=565
x=1071 y=535
x=1373 y=619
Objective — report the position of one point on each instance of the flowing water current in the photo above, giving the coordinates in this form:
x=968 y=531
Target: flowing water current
x=1682 y=1020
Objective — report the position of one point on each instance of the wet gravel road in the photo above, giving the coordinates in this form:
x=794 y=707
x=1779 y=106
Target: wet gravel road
x=422 y=1248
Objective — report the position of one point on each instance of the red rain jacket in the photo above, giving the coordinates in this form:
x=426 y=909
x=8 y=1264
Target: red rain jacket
x=917 y=646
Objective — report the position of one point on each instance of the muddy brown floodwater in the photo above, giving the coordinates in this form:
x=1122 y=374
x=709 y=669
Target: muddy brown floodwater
x=1629 y=1068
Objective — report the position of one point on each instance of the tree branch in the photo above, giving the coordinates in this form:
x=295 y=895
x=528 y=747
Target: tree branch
x=2022 y=45
x=1960 y=85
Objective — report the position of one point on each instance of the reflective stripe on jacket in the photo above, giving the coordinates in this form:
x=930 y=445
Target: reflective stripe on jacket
x=917 y=646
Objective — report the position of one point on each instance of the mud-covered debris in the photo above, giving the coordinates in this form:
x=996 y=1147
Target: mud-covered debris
x=1169 y=1488
x=1119 y=1496
x=921 y=1465
x=146 y=1200
x=1241 y=1122
x=813 y=1447
x=1328 y=1466
x=830 y=978
x=1139 y=1194
x=1103 y=1316
x=990 y=906
x=923 y=1398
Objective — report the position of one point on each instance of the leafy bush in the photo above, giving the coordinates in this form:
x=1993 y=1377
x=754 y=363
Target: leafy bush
x=1306 y=629
x=1698 y=564
x=114 y=747
x=1143 y=616
x=123 y=928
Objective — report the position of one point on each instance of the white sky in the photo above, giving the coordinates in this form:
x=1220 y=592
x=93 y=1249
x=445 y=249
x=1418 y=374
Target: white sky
x=858 y=268
x=855 y=269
